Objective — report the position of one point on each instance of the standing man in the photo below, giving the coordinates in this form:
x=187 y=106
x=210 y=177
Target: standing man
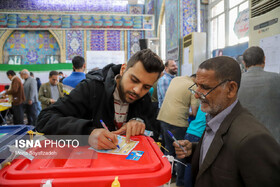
x=235 y=149
x=17 y=92
x=117 y=94
x=163 y=83
x=51 y=91
x=39 y=108
x=174 y=114
x=78 y=74
x=61 y=76
x=260 y=91
x=31 y=96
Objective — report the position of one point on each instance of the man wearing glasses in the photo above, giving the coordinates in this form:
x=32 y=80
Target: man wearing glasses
x=235 y=149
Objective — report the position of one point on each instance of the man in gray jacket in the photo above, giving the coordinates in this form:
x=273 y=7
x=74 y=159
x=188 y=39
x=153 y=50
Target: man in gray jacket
x=260 y=91
x=31 y=96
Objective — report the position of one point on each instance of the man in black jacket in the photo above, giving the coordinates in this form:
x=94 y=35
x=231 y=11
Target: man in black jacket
x=117 y=94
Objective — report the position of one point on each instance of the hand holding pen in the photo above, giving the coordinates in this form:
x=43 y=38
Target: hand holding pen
x=105 y=127
x=101 y=138
x=172 y=136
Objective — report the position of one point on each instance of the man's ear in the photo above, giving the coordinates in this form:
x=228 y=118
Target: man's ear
x=233 y=88
x=244 y=64
x=263 y=61
x=123 y=68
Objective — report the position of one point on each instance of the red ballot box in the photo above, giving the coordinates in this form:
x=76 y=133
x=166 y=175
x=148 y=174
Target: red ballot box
x=152 y=169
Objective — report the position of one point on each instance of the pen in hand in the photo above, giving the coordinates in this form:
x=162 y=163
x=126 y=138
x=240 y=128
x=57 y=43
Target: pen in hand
x=105 y=127
x=172 y=136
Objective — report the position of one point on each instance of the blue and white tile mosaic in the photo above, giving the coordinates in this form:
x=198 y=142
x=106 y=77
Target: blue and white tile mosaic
x=32 y=46
x=74 y=44
x=62 y=5
x=189 y=16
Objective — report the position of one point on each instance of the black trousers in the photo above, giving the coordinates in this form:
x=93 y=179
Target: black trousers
x=31 y=112
x=18 y=114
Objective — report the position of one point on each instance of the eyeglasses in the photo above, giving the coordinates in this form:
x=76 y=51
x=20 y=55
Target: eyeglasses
x=203 y=96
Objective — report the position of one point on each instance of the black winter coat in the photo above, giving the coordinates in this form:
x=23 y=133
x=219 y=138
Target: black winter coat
x=80 y=112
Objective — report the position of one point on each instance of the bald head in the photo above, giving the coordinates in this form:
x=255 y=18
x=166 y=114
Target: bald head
x=24 y=74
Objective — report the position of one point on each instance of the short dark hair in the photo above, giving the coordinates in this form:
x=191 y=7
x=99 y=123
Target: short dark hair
x=150 y=60
x=166 y=63
x=31 y=74
x=253 y=56
x=78 y=62
x=193 y=75
x=60 y=72
x=11 y=72
x=53 y=73
x=226 y=68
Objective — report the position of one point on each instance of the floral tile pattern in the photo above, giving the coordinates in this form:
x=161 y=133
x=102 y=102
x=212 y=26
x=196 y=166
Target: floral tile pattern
x=32 y=46
x=62 y=5
x=74 y=44
x=189 y=16
x=114 y=40
x=96 y=40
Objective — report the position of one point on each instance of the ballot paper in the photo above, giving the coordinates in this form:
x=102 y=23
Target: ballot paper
x=6 y=104
x=125 y=148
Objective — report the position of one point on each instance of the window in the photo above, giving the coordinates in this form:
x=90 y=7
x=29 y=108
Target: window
x=218 y=9
x=233 y=13
x=217 y=25
x=223 y=14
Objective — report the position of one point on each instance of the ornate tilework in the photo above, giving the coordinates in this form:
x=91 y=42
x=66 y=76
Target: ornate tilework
x=59 y=34
x=149 y=9
x=74 y=44
x=134 y=36
x=113 y=40
x=189 y=16
x=2 y=32
x=96 y=40
x=171 y=17
x=62 y=5
x=135 y=9
x=32 y=46
x=133 y=43
x=82 y=21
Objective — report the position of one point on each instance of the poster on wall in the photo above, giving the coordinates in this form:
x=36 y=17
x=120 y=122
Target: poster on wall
x=99 y=59
x=241 y=25
x=271 y=48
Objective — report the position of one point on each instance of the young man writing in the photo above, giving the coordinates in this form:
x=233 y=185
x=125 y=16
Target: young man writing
x=117 y=94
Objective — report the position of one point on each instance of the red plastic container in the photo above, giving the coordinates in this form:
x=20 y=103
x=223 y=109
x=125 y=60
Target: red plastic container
x=150 y=170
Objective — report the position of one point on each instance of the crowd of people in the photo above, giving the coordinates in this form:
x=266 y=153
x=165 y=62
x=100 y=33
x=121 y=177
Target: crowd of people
x=227 y=122
x=32 y=96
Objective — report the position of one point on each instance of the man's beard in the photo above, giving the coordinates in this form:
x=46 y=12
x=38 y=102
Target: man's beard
x=172 y=72
x=212 y=109
x=122 y=93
